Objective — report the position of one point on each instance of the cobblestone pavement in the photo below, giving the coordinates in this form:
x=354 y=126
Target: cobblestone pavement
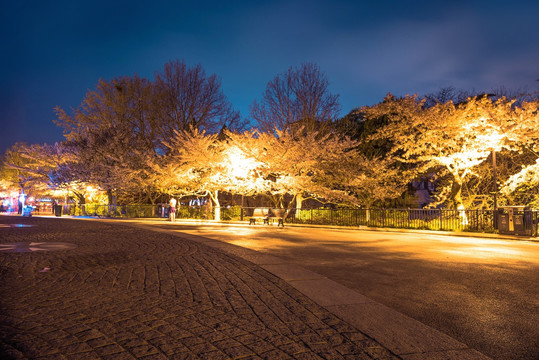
x=127 y=293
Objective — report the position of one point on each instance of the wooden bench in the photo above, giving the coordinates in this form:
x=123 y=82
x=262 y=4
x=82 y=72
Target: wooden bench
x=259 y=213
x=277 y=214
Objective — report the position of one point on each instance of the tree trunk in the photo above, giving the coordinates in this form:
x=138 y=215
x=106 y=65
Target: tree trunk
x=215 y=198
x=299 y=200
x=82 y=202
x=456 y=191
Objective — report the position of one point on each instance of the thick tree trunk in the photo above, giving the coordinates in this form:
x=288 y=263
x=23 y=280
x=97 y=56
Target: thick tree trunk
x=81 y=199
x=299 y=200
x=112 y=202
x=215 y=199
x=456 y=192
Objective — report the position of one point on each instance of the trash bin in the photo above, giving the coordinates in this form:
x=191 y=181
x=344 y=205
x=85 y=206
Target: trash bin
x=58 y=210
x=515 y=220
x=27 y=211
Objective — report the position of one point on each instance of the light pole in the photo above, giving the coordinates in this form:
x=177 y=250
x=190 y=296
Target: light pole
x=495 y=190
x=494 y=185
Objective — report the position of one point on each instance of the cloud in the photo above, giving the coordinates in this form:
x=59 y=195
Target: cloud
x=422 y=56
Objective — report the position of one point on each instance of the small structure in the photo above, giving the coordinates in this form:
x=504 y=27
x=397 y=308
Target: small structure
x=515 y=220
x=279 y=215
x=27 y=211
x=259 y=213
x=267 y=215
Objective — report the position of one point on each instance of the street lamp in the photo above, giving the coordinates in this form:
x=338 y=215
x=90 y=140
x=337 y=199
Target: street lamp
x=494 y=185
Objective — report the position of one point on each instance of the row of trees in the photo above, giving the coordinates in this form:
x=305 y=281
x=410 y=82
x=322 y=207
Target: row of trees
x=141 y=141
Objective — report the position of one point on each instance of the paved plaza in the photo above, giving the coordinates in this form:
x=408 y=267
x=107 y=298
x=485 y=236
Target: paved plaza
x=112 y=289
x=480 y=289
x=120 y=292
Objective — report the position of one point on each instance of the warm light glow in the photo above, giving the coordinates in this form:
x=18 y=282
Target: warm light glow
x=528 y=175
x=465 y=159
x=485 y=252
x=490 y=140
x=476 y=148
x=239 y=164
x=91 y=193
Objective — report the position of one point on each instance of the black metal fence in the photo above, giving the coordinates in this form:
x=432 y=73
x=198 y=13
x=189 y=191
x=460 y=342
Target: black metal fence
x=437 y=219
x=426 y=219
x=149 y=211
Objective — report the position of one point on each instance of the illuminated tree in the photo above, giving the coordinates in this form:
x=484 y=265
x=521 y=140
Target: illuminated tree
x=109 y=131
x=526 y=181
x=48 y=170
x=298 y=98
x=302 y=164
x=452 y=137
x=21 y=168
x=371 y=180
x=524 y=185
x=121 y=126
x=201 y=164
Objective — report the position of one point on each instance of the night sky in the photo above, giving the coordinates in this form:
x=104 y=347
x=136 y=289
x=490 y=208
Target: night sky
x=54 y=51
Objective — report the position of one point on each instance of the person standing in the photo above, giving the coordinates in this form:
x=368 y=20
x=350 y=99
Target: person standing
x=22 y=197
x=172 y=209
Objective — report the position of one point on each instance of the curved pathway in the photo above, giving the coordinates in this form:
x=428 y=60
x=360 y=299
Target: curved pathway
x=120 y=292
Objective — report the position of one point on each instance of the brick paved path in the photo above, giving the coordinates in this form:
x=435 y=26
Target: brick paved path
x=127 y=293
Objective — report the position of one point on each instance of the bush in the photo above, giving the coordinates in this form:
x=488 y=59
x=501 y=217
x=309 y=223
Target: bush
x=231 y=213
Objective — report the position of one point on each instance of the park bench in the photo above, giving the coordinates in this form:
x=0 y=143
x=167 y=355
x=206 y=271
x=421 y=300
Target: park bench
x=259 y=213
x=277 y=214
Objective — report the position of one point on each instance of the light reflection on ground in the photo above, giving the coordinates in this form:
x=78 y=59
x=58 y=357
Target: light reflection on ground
x=36 y=246
x=485 y=252
x=16 y=225
x=239 y=230
x=430 y=247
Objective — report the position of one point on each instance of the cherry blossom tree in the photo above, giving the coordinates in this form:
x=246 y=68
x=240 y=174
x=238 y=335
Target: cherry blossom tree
x=527 y=179
x=24 y=166
x=455 y=137
x=49 y=170
x=121 y=126
x=200 y=163
x=302 y=164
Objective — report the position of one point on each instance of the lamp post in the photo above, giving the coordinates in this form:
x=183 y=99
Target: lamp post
x=495 y=190
x=494 y=185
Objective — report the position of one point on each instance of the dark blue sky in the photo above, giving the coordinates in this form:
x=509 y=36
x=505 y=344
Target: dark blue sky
x=54 y=51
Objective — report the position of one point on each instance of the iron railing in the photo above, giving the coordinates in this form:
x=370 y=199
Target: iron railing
x=426 y=219
x=436 y=219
